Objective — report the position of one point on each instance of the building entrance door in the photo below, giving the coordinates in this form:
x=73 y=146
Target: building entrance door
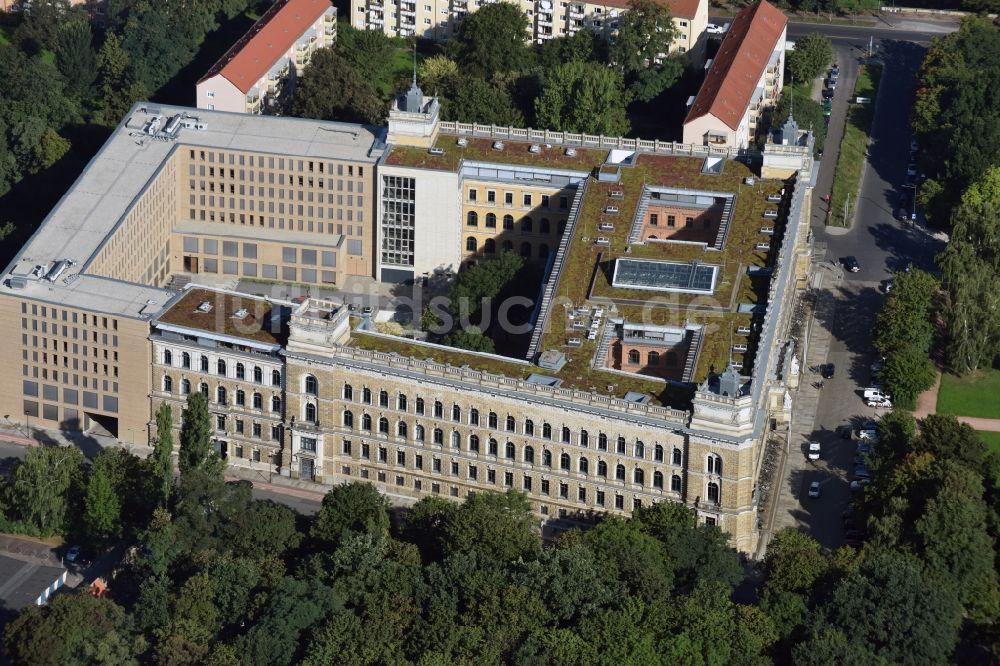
x=190 y=264
x=306 y=469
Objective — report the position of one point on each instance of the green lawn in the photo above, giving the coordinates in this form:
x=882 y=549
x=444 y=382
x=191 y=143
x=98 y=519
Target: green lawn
x=854 y=145
x=972 y=395
x=992 y=439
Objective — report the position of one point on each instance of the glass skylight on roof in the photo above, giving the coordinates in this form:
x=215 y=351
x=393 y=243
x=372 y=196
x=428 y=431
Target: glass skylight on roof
x=688 y=278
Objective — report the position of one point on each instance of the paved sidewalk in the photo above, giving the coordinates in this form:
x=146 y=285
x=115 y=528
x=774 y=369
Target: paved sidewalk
x=927 y=401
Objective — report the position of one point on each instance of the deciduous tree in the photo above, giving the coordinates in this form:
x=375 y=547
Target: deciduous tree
x=584 y=97
x=492 y=41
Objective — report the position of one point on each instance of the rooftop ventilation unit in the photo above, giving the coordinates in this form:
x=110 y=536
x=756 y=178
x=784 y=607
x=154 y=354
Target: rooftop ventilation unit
x=41 y=270
x=436 y=151
x=771 y=214
x=767 y=231
x=763 y=246
x=58 y=268
x=602 y=240
x=18 y=283
x=616 y=194
x=534 y=148
x=739 y=349
x=173 y=126
x=463 y=142
x=571 y=152
x=743 y=330
x=774 y=198
x=240 y=314
x=611 y=210
x=498 y=145
x=606 y=226
x=748 y=180
x=193 y=123
x=204 y=306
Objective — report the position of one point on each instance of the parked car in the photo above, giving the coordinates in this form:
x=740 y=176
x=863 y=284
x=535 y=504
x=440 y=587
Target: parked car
x=911 y=169
x=714 y=29
x=858 y=484
x=844 y=431
x=828 y=93
x=73 y=554
x=876 y=393
x=862 y=472
x=864 y=447
x=851 y=263
x=814 y=489
x=827 y=370
x=813 y=451
x=880 y=404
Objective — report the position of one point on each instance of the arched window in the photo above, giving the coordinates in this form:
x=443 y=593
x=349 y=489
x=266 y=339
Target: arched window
x=653 y=358
x=602 y=469
x=493 y=447
x=671 y=359
x=658 y=480
x=419 y=406
x=220 y=395
x=456 y=440
x=348 y=392
x=713 y=492
x=620 y=446
x=438 y=409
x=529 y=427
x=383 y=398
x=529 y=455
x=543 y=251
x=383 y=425
x=438 y=435
x=583 y=465
x=456 y=413
x=491 y=420
x=677 y=457
x=490 y=246
x=620 y=472
x=276 y=378
x=258 y=401
x=474 y=416
x=241 y=371
x=258 y=375
x=565 y=434
x=168 y=384
x=168 y=357
x=544 y=225
x=401 y=429
x=508 y=246
x=511 y=424
x=675 y=483
x=241 y=398
x=401 y=402
x=508 y=222
x=640 y=450
x=470 y=244
x=348 y=418
x=639 y=476
x=185 y=386
x=204 y=364
x=510 y=451
x=526 y=250
x=564 y=461
x=602 y=442
x=491 y=221
x=526 y=225
x=474 y=443
x=658 y=453
x=275 y=403
x=310 y=415
x=311 y=385
x=714 y=464
x=472 y=219
x=220 y=366
x=633 y=356
x=418 y=433
x=546 y=458
x=366 y=422
x=546 y=431
x=185 y=360
x=584 y=438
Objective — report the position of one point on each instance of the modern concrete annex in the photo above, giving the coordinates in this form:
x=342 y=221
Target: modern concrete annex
x=97 y=336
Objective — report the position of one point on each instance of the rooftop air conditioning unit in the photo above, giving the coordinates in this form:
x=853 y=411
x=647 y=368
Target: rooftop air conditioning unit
x=498 y=145
x=606 y=226
x=603 y=240
x=743 y=330
x=616 y=194
x=571 y=152
x=611 y=210
x=240 y=314
x=463 y=142
x=436 y=151
x=534 y=148
x=763 y=246
x=739 y=348
x=771 y=214
x=767 y=231
x=774 y=198
x=574 y=342
x=204 y=306
x=748 y=180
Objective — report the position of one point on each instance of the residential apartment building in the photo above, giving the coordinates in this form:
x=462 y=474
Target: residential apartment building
x=584 y=423
x=437 y=19
x=258 y=73
x=745 y=78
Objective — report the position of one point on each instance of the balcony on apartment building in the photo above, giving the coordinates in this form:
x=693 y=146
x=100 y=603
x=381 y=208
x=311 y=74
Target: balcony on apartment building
x=253 y=100
x=408 y=9
x=576 y=12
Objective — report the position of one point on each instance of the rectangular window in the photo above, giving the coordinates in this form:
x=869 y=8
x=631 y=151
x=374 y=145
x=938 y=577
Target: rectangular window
x=230 y=249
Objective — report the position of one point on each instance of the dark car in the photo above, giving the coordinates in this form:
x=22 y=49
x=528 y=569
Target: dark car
x=827 y=370
x=827 y=93
x=851 y=264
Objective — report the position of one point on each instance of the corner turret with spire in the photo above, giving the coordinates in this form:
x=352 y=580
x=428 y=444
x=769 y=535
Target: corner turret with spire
x=413 y=119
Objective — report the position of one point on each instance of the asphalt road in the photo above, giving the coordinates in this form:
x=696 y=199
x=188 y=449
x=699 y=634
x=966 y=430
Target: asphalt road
x=848 y=301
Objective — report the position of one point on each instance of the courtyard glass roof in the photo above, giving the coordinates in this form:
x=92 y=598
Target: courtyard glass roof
x=690 y=278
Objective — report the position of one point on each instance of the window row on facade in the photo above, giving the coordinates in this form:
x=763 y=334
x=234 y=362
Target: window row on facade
x=202 y=363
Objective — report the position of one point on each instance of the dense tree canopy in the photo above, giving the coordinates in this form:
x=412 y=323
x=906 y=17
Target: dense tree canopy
x=813 y=53
x=584 y=97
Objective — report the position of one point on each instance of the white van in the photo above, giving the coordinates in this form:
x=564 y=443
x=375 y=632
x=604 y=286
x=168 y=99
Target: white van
x=876 y=394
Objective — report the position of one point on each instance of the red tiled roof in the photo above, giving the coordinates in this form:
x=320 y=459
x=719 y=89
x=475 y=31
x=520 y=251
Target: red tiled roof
x=685 y=9
x=268 y=39
x=738 y=65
